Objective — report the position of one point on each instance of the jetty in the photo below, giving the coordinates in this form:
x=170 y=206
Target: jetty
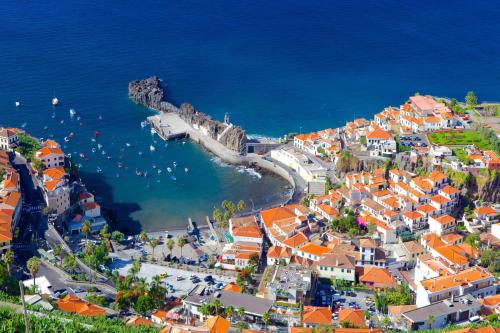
x=168 y=127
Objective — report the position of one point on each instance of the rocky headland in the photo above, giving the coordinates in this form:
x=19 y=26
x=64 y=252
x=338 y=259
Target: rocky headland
x=150 y=93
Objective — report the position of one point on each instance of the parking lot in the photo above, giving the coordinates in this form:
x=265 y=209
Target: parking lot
x=414 y=140
x=178 y=279
x=343 y=299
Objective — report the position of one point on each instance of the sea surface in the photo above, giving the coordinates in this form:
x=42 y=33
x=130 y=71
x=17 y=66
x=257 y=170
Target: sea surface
x=273 y=66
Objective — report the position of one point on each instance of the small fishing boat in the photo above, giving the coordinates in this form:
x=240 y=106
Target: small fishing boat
x=94 y=150
x=186 y=170
x=55 y=101
x=145 y=174
x=71 y=135
x=174 y=164
x=46 y=128
x=127 y=144
x=24 y=125
x=78 y=118
x=108 y=157
x=62 y=122
x=140 y=153
x=96 y=134
x=18 y=104
x=82 y=155
x=154 y=166
x=72 y=112
x=144 y=123
x=99 y=170
x=173 y=178
x=152 y=148
x=153 y=131
x=99 y=146
x=119 y=165
x=93 y=140
x=103 y=152
x=66 y=139
x=138 y=173
x=159 y=171
x=169 y=169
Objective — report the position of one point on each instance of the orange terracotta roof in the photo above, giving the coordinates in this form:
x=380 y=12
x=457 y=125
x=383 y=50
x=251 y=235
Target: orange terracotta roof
x=412 y=215
x=12 y=199
x=91 y=205
x=51 y=185
x=270 y=216
x=137 y=321
x=316 y=315
x=296 y=329
x=279 y=252
x=217 y=324
x=377 y=275
x=491 y=300
x=296 y=240
x=314 y=249
x=328 y=209
x=252 y=232
x=46 y=151
x=485 y=211
x=51 y=143
x=439 y=199
x=160 y=314
x=379 y=134
x=444 y=219
x=233 y=287
x=74 y=304
x=461 y=278
x=436 y=176
x=367 y=243
x=426 y=208
x=54 y=173
x=450 y=190
x=353 y=316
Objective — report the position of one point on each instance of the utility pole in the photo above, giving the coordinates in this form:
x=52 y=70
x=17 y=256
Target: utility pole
x=26 y=320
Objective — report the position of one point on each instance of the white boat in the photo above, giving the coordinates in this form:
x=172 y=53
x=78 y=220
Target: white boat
x=169 y=170
x=99 y=170
x=66 y=139
x=144 y=123
x=55 y=101
x=186 y=170
x=174 y=164
x=153 y=131
x=159 y=171
x=72 y=112
x=18 y=104
x=94 y=150
x=152 y=148
x=99 y=146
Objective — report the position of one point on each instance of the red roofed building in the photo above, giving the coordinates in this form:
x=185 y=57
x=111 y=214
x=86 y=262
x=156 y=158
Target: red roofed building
x=277 y=254
x=381 y=143
x=50 y=157
x=74 y=304
x=377 y=278
x=315 y=316
x=354 y=318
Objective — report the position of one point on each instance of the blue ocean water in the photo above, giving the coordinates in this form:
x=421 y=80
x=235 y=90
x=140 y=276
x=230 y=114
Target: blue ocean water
x=273 y=66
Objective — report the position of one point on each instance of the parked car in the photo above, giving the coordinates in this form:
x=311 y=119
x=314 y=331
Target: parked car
x=208 y=278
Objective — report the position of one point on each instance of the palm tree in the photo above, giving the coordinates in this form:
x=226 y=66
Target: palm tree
x=8 y=258
x=241 y=326
x=265 y=318
x=217 y=305
x=86 y=229
x=430 y=320
x=154 y=243
x=241 y=205
x=181 y=242
x=170 y=245
x=229 y=312
x=143 y=237
x=240 y=312
x=217 y=215
x=136 y=268
x=33 y=265
x=206 y=309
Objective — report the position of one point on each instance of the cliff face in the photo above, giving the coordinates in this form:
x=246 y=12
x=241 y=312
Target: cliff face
x=490 y=192
x=151 y=94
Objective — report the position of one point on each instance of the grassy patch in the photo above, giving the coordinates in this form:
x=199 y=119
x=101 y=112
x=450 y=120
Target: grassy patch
x=459 y=138
x=460 y=154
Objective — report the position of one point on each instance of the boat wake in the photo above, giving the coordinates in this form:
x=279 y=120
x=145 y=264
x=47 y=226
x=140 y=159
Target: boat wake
x=252 y=172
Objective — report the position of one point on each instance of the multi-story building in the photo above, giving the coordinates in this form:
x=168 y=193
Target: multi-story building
x=8 y=139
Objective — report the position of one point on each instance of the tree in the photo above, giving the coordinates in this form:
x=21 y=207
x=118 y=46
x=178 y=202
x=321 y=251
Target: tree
x=254 y=260
x=8 y=259
x=181 y=242
x=117 y=236
x=206 y=309
x=143 y=237
x=170 y=245
x=154 y=243
x=8 y=283
x=86 y=229
x=386 y=322
x=104 y=233
x=217 y=215
x=37 y=164
x=240 y=326
x=240 y=312
x=57 y=251
x=473 y=239
x=265 y=318
x=144 y=304
x=430 y=320
x=229 y=312
x=471 y=99
x=217 y=305
x=241 y=205
x=69 y=263
x=371 y=228
x=33 y=265
x=136 y=268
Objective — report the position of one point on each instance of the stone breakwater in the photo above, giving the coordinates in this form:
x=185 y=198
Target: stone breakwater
x=150 y=93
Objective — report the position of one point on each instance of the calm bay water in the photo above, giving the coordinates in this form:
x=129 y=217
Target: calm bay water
x=275 y=67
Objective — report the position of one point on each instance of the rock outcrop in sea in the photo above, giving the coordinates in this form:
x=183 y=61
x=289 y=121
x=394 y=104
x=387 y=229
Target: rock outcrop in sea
x=150 y=93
